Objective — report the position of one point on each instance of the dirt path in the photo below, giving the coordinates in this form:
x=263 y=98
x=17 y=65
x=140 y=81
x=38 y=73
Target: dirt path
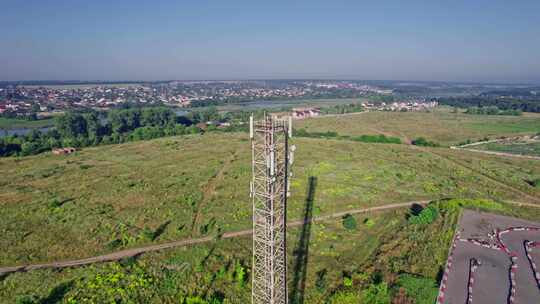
x=141 y=250
x=497 y=153
x=138 y=251
x=209 y=190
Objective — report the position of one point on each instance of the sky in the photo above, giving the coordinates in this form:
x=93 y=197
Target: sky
x=458 y=40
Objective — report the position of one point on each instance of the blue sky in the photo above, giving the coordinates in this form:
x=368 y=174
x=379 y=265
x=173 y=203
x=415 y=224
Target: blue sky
x=459 y=40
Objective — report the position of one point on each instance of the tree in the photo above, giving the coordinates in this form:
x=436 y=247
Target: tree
x=117 y=122
x=93 y=126
x=349 y=222
x=30 y=148
x=71 y=125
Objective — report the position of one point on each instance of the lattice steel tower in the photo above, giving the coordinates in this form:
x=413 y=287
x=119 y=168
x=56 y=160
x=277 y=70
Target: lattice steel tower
x=269 y=192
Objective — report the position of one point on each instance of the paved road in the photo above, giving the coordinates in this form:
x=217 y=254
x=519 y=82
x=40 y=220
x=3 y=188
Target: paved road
x=492 y=282
x=138 y=251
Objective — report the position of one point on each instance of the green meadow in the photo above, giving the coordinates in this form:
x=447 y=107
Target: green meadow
x=441 y=126
x=107 y=198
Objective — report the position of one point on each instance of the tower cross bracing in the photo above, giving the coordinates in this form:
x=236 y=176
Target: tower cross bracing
x=269 y=190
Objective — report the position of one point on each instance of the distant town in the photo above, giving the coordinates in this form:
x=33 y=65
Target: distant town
x=34 y=100
x=24 y=99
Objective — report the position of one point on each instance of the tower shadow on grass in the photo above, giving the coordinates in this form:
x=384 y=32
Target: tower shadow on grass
x=302 y=247
x=57 y=293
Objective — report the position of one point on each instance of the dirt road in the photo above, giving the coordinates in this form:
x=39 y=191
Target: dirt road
x=138 y=251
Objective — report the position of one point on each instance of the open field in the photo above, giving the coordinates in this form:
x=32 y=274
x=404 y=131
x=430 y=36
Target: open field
x=337 y=266
x=112 y=197
x=11 y=123
x=286 y=103
x=440 y=126
x=531 y=148
x=108 y=198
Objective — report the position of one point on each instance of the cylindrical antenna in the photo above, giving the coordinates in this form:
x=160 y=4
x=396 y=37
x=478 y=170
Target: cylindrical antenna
x=290 y=126
x=251 y=126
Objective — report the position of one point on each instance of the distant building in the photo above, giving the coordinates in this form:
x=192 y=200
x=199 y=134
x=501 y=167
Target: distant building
x=301 y=113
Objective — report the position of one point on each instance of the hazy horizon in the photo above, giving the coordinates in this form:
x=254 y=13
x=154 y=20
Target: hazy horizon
x=480 y=42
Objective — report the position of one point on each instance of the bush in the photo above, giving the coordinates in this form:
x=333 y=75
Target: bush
x=200 y=300
x=349 y=222
x=114 y=284
x=420 y=141
x=376 y=294
x=427 y=216
x=377 y=139
x=27 y=299
x=347 y=281
x=369 y=222
x=422 y=290
x=321 y=280
x=345 y=297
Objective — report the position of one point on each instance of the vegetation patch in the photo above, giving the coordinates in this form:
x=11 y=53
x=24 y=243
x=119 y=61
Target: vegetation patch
x=421 y=289
x=349 y=222
x=383 y=139
x=420 y=141
x=427 y=216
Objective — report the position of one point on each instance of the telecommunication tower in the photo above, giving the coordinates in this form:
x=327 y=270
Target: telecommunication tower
x=269 y=190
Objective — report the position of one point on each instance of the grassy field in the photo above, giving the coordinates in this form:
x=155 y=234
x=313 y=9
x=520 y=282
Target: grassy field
x=440 y=126
x=520 y=148
x=287 y=103
x=11 y=123
x=339 y=265
x=107 y=198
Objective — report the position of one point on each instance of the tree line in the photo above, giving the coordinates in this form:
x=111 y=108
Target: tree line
x=492 y=110
x=76 y=129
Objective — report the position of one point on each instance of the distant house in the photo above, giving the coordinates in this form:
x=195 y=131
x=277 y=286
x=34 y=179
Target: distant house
x=301 y=113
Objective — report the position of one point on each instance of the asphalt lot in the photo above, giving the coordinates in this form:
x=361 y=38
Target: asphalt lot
x=492 y=278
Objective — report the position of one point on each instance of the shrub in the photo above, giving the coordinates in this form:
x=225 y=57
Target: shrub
x=369 y=222
x=377 y=139
x=422 y=290
x=420 y=141
x=27 y=299
x=427 y=216
x=347 y=281
x=239 y=274
x=376 y=294
x=114 y=284
x=349 y=222
x=200 y=300
x=345 y=297
x=321 y=280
